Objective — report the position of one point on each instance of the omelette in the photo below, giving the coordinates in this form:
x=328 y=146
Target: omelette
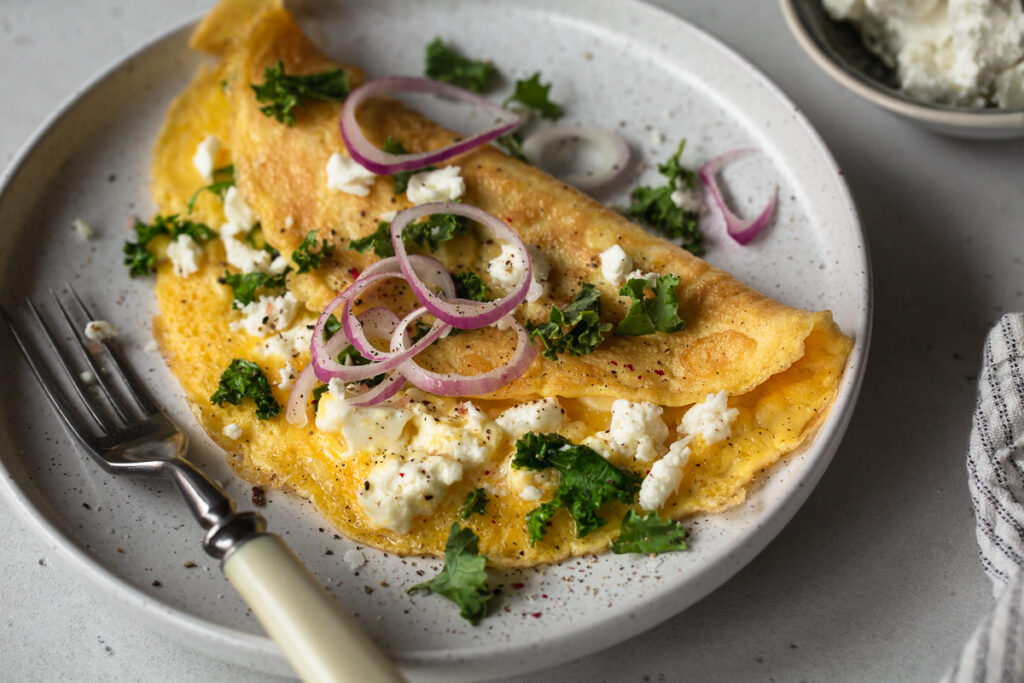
x=693 y=415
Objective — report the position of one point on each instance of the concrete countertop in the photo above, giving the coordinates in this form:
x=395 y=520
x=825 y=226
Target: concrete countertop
x=876 y=578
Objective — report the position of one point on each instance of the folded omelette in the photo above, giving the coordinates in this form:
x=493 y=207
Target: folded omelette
x=708 y=408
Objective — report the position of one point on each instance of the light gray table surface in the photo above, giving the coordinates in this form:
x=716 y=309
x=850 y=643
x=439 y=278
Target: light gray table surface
x=876 y=578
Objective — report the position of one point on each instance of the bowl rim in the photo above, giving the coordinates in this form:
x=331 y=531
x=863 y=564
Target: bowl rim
x=867 y=88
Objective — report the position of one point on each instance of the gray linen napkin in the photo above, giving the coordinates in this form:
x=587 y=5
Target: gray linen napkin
x=995 y=471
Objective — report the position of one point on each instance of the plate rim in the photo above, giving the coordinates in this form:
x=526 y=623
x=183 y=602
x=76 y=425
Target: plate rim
x=240 y=647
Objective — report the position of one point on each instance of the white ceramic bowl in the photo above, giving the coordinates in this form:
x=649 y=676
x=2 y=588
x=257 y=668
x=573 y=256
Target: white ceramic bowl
x=838 y=50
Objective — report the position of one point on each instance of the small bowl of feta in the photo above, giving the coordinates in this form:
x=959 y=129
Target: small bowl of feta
x=953 y=66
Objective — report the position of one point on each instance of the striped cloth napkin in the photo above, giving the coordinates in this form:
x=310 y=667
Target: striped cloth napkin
x=995 y=471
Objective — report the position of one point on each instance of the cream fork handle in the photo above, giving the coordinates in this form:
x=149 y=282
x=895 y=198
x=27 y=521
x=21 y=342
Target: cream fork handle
x=320 y=639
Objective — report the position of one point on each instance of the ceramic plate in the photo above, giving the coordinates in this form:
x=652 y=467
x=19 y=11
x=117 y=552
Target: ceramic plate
x=616 y=64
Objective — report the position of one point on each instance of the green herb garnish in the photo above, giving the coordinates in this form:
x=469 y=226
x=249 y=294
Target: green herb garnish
x=379 y=241
x=428 y=233
x=137 y=256
x=280 y=93
x=444 y=63
x=318 y=393
x=349 y=356
x=587 y=481
x=475 y=504
x=245 y=287
x=244 y=379
x=223 y=178
x=512 y=145
x=647 y=315
x=463 y=580
x=307 y=257
x=577 y=330
x=400 y=180
x=648 y=534
x=653 y=206
x=532 y=93
x=469 y=285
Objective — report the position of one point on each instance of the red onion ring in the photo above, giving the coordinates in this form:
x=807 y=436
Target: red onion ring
x=451 y=384
x=461 y=313
x=741 y=231
x=390 y=386
x=295 y=412
x=609 y=144
x=382 y=163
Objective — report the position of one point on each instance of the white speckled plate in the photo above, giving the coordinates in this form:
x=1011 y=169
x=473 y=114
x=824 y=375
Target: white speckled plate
x=617 y=64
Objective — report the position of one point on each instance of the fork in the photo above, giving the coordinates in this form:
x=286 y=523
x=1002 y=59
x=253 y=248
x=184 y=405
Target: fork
x=125 y=432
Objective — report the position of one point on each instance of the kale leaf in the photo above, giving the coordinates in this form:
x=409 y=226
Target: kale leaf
x=658 y=313
x=318 y=393
x=648 y=534
x=587 y=481
x=581 y=320
x=653 y=206
x=223 y=178
x=512 y=145
x=469 y=285
x=445 y=63
x=463 y=580
x=400 y=180
x=307 y=257
x=244 y=379
x=280 y=93
x=533 y=94
x=379 y=241
x=137 y=256
x=428 y=233
x=246 y=286
x=475 y=504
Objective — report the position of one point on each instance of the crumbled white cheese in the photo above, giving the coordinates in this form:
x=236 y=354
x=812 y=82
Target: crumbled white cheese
x=615 y=263
x=82 y=229
x=233 y=431
x=241 y=255
x=663 y=479
x=640 y=275
x=388 y=216
x=286 y=376
x=395 y=491
x=345 y=174
x=268 y=314
x=237 y=211
x=87 y=377
x=378 y=428
x=686 y=198
x=288 y=343
x=712 y=418
x=959 y=52
x=637 y=431
x=440 y=185
x=184 y=253
x=471 y=437
x=354 y=559
x=531 y=493
x=520 y=479
x=99 y=330
x=543 y=416
x=507 y=268
x=206 y=157
x=289 y=221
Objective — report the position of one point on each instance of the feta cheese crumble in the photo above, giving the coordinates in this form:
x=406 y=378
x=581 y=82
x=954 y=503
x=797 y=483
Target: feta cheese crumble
x=268 y=314
x=686 y=198
x=82 y=229
x=543 y=416
x=354 y=559
x=637 y=431
x=286 y=376
x=206 y=157
x=440 y=185
x=663 y=479
x=378 y=427
x=396 y=491
x=232 y=431
x=640 y=275
x=99 y=330
x=184 y=253
x=615 y=263
x=531 y=493
x=712 y=419
x=960 y=52
x=507 y=268
x=288 y=343
x=237 y=211
x=345 y=174
x=470 y=439
x=241 y=255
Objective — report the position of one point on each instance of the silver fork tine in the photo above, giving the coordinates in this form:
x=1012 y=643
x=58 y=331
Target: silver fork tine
x=135 y=388
x=46 y=381
x=109 y=391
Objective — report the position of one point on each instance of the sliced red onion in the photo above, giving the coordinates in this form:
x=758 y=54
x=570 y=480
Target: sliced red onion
x=451 y=384
x=740 y=230
x=612 y=148
x=388 y=387
x=382 y=163
x=462 y=313
x=298 y=398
